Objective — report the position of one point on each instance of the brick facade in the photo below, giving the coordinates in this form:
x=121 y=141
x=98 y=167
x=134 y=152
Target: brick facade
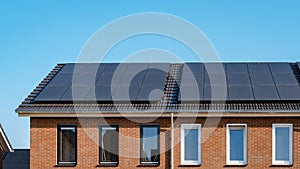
x=43 y=142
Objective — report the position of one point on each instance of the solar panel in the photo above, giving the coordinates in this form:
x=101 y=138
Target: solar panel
x=280 y=68
x=85 y=79
x=51 y=93
x=236 y=68
x=155 y=79
x=70 y=68
x=189 y=78
x=219 y=93
x=125 y=93
x=238 y=79
x=132 y=79
x=298 y=63
x=218 y=68
x=189 y=93
x=289 y=92
x=262 y=79
x=240 y=93
x=137 y=67
x=112 y=67
x=160 y=66
x=285 y=79
x=93 y=68
x=214 y=79
x=76 y=93
x=258 y=68
x=265 y=93
x=100 y=93
x=109 y=78
x=150 y=93
x=61 y=80
x=193 y=67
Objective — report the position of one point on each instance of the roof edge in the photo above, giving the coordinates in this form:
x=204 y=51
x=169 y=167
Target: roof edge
x=4 y=142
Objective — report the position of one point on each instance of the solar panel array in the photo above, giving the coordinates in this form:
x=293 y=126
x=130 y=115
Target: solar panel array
x=238 y=82
x=147 y=81
x=107 y=82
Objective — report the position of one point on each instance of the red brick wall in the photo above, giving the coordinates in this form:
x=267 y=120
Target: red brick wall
x=44 y=132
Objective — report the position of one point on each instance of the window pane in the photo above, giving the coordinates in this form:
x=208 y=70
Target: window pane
x=191 y=144
x=282 y=143
x=67 y=145
x=150 y=147
x=109 y=144
x=237 y=144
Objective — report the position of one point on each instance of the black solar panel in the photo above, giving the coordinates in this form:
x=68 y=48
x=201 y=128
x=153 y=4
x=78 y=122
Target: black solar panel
x=76 y=93
x=62 y=80
x=100 y=93
x=215 y=93
x=289 y=92
x=265 y=93
x=125 y=93
x=214 y=79
x=193 y=67
x=262 y=79
x=258 y=68
x=189 y=78
x=70 y=68
x=240 y=93
x=189 y=93
x=238 y=79
x=280 y=68
x=87 y=79
x=160 y=66
x=51 y=93
x=132 y=79
x=137 y=67
x=218 y=68
x=285 y=79
x=150 y=93
x=236 y=68
x=94 y=68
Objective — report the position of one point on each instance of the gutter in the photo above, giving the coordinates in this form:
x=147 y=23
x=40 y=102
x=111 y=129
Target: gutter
x=166 y=113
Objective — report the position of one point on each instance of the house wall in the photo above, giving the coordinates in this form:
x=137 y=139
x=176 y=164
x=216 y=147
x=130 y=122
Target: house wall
x=43 y=143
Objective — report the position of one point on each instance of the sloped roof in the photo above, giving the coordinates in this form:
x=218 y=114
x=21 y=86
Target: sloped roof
x=19 y=159
x=165 y=86
x=4 y=142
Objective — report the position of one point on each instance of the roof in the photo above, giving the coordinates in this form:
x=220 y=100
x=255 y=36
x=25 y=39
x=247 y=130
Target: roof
x=19 y=159
x=173 y=87
x=4 y=142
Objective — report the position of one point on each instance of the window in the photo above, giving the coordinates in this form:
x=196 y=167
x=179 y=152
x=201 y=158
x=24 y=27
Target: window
x=191 y=144
x=236 y=138
x=108 y=144
x=67 y=143
x=149 y=144
x=282 y=144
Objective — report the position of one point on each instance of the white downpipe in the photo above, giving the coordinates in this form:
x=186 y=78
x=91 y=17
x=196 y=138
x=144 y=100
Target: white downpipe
x=172 y=142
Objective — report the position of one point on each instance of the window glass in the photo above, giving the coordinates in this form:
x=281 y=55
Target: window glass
x=67 y=144
x=237 y=144
x=191 y=144
x=109 y=144
x=282 y=143
x=150 y=144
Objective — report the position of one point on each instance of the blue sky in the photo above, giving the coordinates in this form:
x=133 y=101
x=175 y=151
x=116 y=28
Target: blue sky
x=36 y=35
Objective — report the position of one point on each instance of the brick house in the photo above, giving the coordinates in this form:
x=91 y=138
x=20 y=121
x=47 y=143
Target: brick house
x=5 y=146
x=163 y=115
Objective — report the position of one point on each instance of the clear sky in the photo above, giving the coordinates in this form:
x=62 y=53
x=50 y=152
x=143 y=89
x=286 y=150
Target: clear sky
x=36 y=35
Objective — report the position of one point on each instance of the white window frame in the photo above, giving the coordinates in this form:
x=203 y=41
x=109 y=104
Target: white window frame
x=228 y=128
x=282 y=162
x=185 y=127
